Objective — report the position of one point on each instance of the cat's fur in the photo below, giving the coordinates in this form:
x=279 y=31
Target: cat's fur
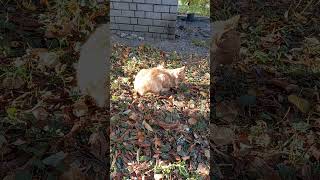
x=93 y=65
x=157 y=79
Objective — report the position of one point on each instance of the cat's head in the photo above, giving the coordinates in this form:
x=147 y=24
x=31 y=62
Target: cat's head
x=179 y=73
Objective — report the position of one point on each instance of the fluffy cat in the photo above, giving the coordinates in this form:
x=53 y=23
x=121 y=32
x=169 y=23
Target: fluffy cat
x=157 y=79
x=93 y=65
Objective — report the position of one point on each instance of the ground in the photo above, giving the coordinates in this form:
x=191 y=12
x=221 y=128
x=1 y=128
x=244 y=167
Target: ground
x=265 y=121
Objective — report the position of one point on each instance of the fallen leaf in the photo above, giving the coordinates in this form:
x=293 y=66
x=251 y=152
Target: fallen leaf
x=13 y=82
x=167 y=126
x=221 y=135
x=73 y=173
x=315 y=152
x=80 y=108
x=54 y=159
x=157 y=142
x=158 y=176
x=147 y=126
x=140 y=136
x=192 y=121
x=302 y=104
x=19 y=142
x=40 y=113
x=134 y=116
x=203 y=169
x=98 y=144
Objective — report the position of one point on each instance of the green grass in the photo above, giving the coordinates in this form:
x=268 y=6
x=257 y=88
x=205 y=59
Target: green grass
x=198 y=7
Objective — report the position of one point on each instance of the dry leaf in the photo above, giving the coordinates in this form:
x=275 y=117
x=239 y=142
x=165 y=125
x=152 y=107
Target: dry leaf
x=99 y=145
x=80 y=108
x=12 y=82
x=167 y=126
x=157 y=142
x=134 y=116
x=203 y=169
x=315 y=152
x=147 y=126
x=158 y=176
x=40 y=113
x=302 y=104
x=73 y=173
x=192 y=121
x=221 y=135
x=140 y=136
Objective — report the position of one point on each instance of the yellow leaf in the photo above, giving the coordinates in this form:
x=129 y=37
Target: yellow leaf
x=302 y=104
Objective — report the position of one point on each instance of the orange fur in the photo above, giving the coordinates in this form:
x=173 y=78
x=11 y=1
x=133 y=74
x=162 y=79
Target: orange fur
x=157 y=79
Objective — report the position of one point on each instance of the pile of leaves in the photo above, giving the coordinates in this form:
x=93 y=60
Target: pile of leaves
x=158 y=136
x=47 y=130
x=266 y=119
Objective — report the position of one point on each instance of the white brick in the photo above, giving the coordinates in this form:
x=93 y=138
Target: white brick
x=173 y=9
x=156 y=35
x=168 y=16
x=123 y=6
x=145 y=7
x=163 y=23
x=171 y=37
x=112 y=19
x=149 y=35
x=161 y=8
x=139 y=14
x=145 y=21
x=153 y=15
x=127 y=13
x=126 y=27
x=153 y=1
x=164 y=36
x=134 y=20
x=114 y=26
x=170 y=2
x=133 y=6
x=140 y=28
x=114 y=12
x=124 y=20
x=156 y=29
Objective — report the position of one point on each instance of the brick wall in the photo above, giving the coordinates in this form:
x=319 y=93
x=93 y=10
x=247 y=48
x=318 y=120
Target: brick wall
x=147 y=18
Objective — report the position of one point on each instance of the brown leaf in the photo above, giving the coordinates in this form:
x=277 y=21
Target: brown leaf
x=73 y=173
x=134 y=116
x=13 y=82
x=261 y=167
x=221 y=135
x=228 y=111
x=157 y=142
x=40 y=113
x=140 y=136
x=80 y=108
x=192 y=121
x=99 y=145
x=167 y=126
x=315 y=152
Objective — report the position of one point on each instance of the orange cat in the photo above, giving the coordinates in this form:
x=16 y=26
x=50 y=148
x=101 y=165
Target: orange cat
x=157 y=79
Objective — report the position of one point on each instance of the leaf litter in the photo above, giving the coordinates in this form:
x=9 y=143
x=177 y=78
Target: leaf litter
x=265 y=123
x=155 y=128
